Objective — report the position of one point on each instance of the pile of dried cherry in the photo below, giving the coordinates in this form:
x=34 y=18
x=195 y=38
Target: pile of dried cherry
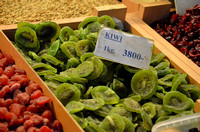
x=23 y=107
x=183 y=32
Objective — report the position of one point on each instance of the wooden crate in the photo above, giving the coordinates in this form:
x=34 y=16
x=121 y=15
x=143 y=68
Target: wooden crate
x=149 y=11
x=132 y=23
x=177 y=59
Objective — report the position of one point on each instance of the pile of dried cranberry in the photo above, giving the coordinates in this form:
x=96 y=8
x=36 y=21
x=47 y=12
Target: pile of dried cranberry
x=23 y=107
x=183 y=32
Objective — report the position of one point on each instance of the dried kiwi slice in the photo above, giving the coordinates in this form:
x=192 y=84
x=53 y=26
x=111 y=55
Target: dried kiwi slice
x=43 y=66
x=85 y=69
x=177 y=81
x=121 y=111
x=73 y=38
x=150 y=109
x=74 y=107
x=95 y=127
x=93 y=27
x=26 y=37
x=80 y=120
x=87 y=94
x=147 y=122
x=69 y=72
x=52 y=60
x=129 y=126
x=35 y=56
x=93 y=37
x=113 y=123
x=106 y=21
x=21 y=24
x=83 y=57
x=83 y=46
x=176 y=102
x=67 y=92
x=131 y=69
x=144 y=83
x=132 y=105
x=87 y=21
x=98 y=68
x=160 y=111
x=68 y=48
x=119 y=88
x=107 y=94
x=92 y=104
x=55 y=46
x=47 y=31
x=156 y=58
x=72 y=62
x=104 y=110
x=65 y=33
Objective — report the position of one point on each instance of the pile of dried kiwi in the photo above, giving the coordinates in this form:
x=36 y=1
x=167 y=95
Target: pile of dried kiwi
x=99 y=94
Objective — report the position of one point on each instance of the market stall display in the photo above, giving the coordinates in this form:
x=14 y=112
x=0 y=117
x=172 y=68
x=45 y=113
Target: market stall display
x=99 y=94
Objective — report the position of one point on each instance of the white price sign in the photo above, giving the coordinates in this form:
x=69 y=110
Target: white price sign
x=124 y=48
x=182 y=5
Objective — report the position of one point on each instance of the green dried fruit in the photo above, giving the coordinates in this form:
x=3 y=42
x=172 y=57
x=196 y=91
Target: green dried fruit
x=107 y=94
x=144 y=83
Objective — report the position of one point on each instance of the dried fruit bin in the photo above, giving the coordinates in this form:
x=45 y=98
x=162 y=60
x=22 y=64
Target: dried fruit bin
x=177 y=59
x=58 y=110
x=146 y=14
x=61 y=113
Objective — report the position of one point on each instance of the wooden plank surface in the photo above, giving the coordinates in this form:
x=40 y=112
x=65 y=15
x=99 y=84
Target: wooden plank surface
x=118 y=11
x=154 y=11
x=132 y=5
x=177 y=59
x=68 y=123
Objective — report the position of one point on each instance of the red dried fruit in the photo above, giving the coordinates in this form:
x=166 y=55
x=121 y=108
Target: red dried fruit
x=36 y=94
x=9 y=71
x=41 y=101
x=3 y=110
x=32 y=108
x=47 y=114
x=36 y=119
x=7 y=102
x=4 y=91
x=32 y=87
x=11 y=118
x=33 y=129
x=26 y=115
x=4 y=80
x=15 y=108
x=3 y=62
x=9 y=58
x=14 y=87
x=20 y=120
x=20 y=129
x=23 y=98
x=3 y=128
x=28 y=124
x=18 y=70
x=45 y=129
x=57 y=125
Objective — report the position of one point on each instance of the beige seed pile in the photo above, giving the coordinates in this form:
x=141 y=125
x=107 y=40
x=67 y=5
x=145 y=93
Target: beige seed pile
x=14 y=11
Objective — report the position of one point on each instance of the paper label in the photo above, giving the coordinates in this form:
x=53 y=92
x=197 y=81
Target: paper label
x=182 y=5
x=124 y=48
